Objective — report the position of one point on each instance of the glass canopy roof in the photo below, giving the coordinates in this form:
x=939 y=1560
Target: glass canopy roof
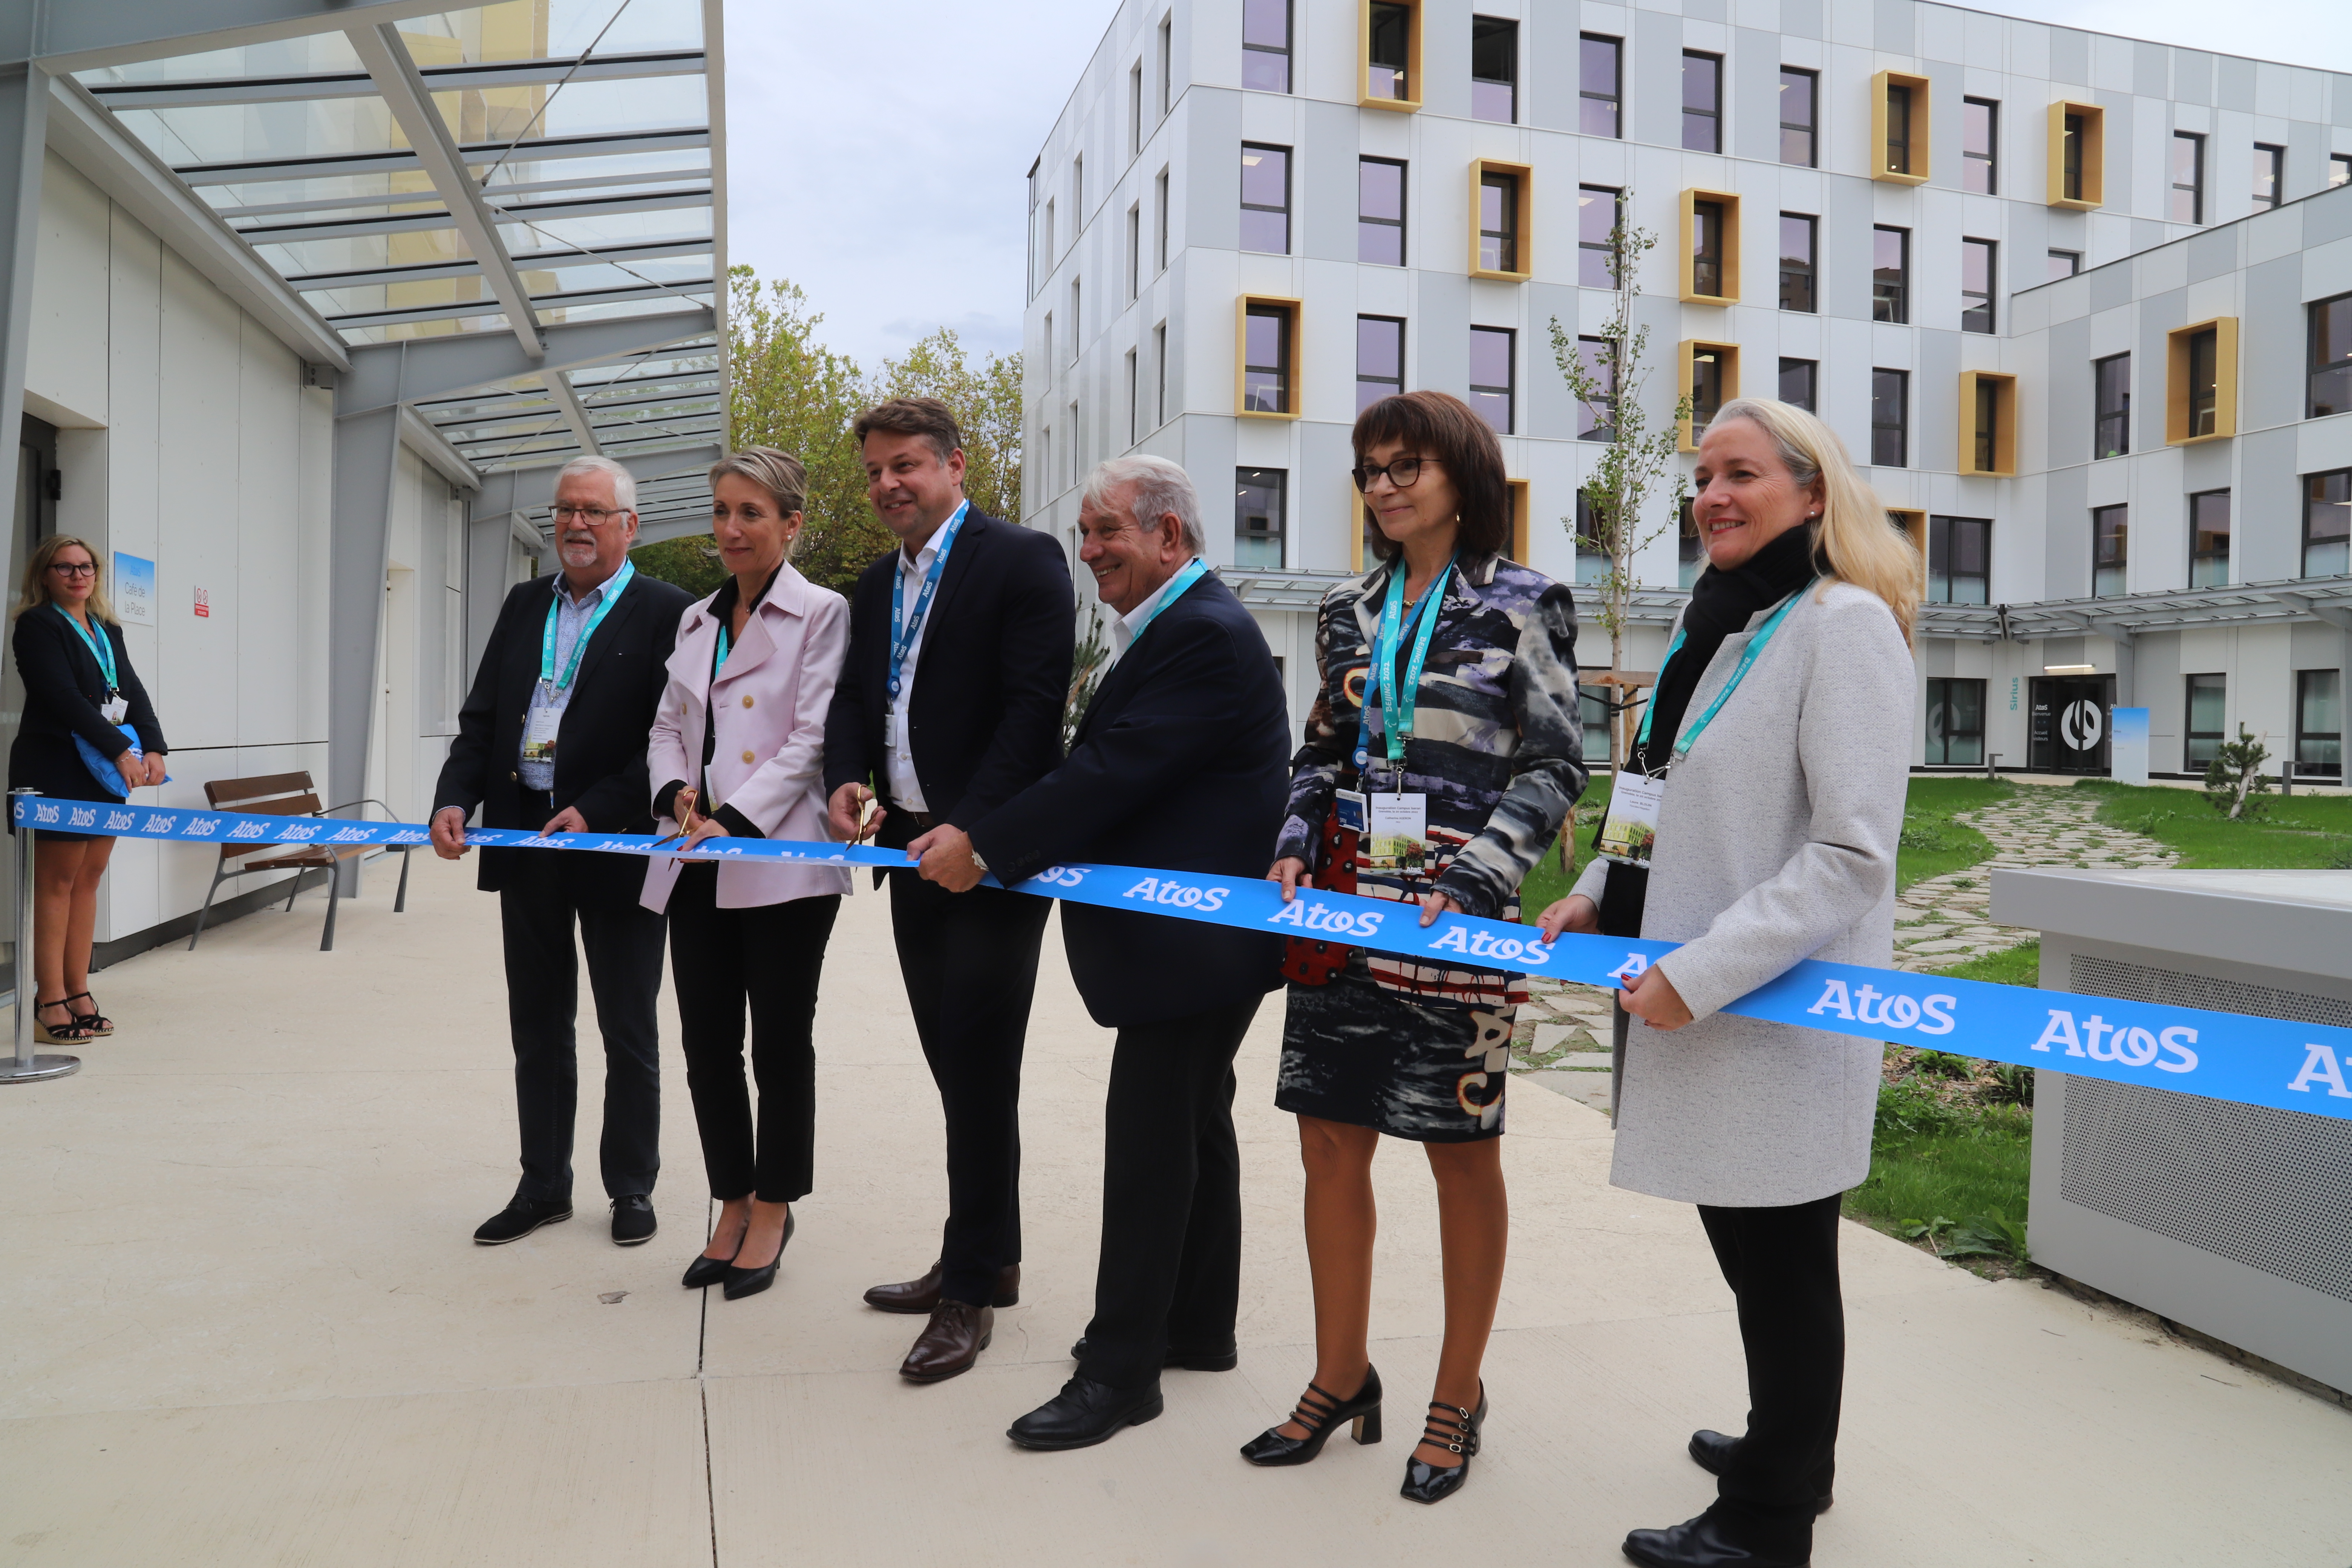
x=585 y=129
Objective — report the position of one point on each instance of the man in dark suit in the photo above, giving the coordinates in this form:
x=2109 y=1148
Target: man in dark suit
x=553 y=737
x=948 y=705
x=1179 y=764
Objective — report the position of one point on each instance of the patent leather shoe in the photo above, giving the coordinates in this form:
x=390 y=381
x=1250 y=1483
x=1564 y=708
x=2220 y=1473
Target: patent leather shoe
x=1454 y=1429
x=704 y=1272
x=1711 y=1451
x=1086 y=1413
x=1711 y=1541
x=923 y=1295
x=1220 y=1360
x=742 y=1282
x=950 y=1343
x=1321 y=1411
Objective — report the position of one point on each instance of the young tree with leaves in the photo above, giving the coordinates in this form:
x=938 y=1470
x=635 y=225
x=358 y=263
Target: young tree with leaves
x=2234 y=780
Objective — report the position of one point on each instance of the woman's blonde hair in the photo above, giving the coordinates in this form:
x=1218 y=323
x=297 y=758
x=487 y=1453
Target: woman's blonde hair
x=779 y=473
x=1858 y=541
x=35 y=591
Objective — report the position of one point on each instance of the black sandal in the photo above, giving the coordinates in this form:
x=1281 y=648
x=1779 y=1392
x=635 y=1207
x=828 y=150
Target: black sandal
x=96 y=1022
x=73 y=1033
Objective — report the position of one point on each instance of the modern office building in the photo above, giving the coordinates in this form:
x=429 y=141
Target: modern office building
x=2083 y=305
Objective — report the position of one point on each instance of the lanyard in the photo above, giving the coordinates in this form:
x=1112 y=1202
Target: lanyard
x=720 y=662
x=1397 y=704
x=102 y=649
x=1748 y=656
x=580 y=646
x=1192 y=571
x=906 y=629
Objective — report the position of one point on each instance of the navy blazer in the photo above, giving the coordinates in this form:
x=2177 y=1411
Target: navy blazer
x=1182 y=762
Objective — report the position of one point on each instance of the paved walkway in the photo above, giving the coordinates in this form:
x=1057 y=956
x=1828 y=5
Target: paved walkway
x=247 y=1328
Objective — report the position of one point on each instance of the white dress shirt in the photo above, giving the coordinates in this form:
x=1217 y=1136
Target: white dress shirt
x=1124 y=630
x=899 y=756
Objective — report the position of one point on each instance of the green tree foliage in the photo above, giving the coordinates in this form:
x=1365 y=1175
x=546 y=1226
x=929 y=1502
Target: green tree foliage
x=692 y=564
x=2234 y=783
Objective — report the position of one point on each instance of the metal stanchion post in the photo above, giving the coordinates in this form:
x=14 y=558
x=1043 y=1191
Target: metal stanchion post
x=28 y=1067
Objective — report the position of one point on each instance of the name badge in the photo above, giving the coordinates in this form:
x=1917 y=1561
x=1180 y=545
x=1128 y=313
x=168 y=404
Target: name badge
x=539 y=734
x=1396 y=835
x=1629 y=834
x=1348 y=809
x=116 y=709
x=890 y=728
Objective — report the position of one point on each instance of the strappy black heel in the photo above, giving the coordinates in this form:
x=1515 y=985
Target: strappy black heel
x=96 y=1022
x=1321 y=1412
x=1455 y=1430
x=73 y=1032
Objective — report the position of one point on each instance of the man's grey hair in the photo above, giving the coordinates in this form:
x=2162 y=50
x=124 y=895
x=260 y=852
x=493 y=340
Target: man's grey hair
x=624 y=483
x=1155 y=488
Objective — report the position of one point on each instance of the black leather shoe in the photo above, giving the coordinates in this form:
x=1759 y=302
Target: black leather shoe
x=1086 y=1413
x=741 y=1283
x=520 y=1218
x=1709 y=1542
x=704 y=1272
x=1455 y=1430
x=1223 y=1359
x=632 y=1220
x=1321 y=1411
x=1711 y=1451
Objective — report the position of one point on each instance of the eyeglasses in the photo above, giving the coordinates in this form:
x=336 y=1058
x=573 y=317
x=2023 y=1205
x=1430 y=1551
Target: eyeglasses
x=75 y=568
x=594 y=516
x=1403 y=473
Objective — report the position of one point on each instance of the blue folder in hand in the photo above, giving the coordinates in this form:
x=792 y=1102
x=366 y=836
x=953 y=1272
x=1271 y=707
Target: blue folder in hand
x=109 y=777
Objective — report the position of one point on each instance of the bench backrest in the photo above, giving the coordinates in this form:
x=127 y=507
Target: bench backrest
x=265 y=795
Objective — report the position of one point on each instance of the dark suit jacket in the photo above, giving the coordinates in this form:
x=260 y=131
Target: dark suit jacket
x=600 y=752
x=63 y=688
x=1182 y=762
x=991 y=678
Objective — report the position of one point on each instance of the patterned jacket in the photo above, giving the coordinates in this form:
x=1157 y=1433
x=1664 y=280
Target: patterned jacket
x=1497 y=746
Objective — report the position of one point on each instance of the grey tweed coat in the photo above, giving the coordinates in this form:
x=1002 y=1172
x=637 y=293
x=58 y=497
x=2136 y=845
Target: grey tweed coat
x=1776 y=844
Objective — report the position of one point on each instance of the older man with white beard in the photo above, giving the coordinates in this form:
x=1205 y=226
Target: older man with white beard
x=552 y=738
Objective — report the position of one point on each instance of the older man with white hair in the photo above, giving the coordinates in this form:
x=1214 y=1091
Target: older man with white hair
x=553 y=737
x=1180 y=762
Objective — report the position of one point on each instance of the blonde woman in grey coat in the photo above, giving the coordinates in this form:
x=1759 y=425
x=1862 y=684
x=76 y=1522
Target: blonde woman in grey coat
x=1775 y=843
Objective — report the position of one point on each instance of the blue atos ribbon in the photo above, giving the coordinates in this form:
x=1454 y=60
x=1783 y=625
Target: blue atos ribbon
x=2223 y=1056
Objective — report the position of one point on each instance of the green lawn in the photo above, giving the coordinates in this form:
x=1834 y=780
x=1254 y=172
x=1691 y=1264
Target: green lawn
x=2301 y=831
x=1932 y=842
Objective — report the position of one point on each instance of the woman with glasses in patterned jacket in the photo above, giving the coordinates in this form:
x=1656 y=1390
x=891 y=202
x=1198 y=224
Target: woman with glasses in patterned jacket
x=1443 y=755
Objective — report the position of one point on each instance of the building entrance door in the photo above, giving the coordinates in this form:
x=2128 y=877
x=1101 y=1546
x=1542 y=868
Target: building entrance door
x=2070 y=723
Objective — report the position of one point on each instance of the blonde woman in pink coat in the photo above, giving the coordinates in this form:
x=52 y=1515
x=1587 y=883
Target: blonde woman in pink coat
x=738 y=750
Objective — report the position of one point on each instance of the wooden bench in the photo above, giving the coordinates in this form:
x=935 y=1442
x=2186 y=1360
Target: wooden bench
x=288 y=794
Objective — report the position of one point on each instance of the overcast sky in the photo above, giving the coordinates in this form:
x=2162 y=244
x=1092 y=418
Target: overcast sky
x=877 y=157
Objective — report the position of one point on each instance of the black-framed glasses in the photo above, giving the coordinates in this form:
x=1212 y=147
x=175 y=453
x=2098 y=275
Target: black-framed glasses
x=594 y=516
x=1403 y=473
x=75 y=568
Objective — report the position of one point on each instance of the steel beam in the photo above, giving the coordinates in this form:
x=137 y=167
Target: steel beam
x=521 y=213
x=196 y=92
x=714 y=89
x=24 y=125
x=538 y=149
x=529 y=492
x=417 y=434
x=81 y=35
x=567 y=403
x=418 y=369
x=367 y=459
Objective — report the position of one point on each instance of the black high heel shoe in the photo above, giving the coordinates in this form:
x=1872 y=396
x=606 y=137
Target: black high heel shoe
x=1455 y=1430
x=708 y=1271
x=1321 y=1412
x=741 y=1283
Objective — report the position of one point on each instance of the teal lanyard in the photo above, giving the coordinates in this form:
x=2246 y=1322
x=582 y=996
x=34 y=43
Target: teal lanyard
x=1396 y=703
x=580 y=645
x=904 y=627
x=1194 y=570
x=102 y=649
x=720 y=662
x=1748 y=656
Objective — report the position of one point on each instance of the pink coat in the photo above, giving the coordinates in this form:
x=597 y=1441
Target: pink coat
x=769 y=705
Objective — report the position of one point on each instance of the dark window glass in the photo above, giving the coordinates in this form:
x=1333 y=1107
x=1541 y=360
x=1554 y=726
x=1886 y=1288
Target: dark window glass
x=1797 y=237
x=2209 y=698
x=2319 y=722
x=1890 y=394
x=2204 y=382
x=1898 y=130
x=1266 y=366
x=1980 y=145
x=1494 y=70
x=1490 y=376
x=1379 y=359
x=1798 y=378
x=1702 y=102
x=1597 y=84
x=1134 y=402
x=2339 y=169
x=1959 y=560
x=2071 y=167
x=1498 y=223
x=1706 y=388
x=1890 y=275
x=1159 y=231
x=1159 y=374
x=2327 y=524
x=2064 y=263
x=1257 y=516
x=2270 y=176
x=1592 y=563
x=1265 y=45
x=1265 y=198
x=1707 y=249
x=1797 y=121
x=1389 y=50
x=1380 y=211
x=1597 y=208
x=1986 y=456
x=2110 y=551
x=2188 y=177
x=2209 y=539
x=1977 y=274
x=2331 y=358
x=1690 y=551
x=1955 y=723
x=1598 y=421
x=2111 y=406
x=1134 y=251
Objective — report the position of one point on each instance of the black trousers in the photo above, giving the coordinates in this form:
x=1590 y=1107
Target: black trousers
x=970 y=962
x=771 y=955
x=1171 y=1266
x=1782 y=1267
x=545 y=896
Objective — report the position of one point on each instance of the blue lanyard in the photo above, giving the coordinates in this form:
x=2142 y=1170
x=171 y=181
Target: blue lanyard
x=101 y=648
x=580 y=645
x=1397 y=704
x=906 y=629
x=1192 y=571
x=1739 y=672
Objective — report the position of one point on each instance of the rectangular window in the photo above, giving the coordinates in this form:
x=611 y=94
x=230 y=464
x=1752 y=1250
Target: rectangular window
x=2270 y=176
x=2188 y=177
x=2339 y=169
x=1976 y=273
x=1980 y=146
x=1955 y=723
x=1269 y=352
x=1959 y=560
x=2201 y=383
x=1077 y=194
x=1265 y=45
x=2110 y=551
x=2076 y=171
x=2070 y=153
x=1899 y=124
x=1597 y=84
x=2204 y=380
x=1592 y=563
x=1051 y=255
x=1984 y=446
x=2207 y=698
x=1379 y=359
x=2327 y=524
x=1390 y=42
x=1167 y=65
x=1702 y=102
x=1078 y=316
x=1159 y=224
x=1491 y=369
x=1799 y=91
x=1134 y=400
x=1380 y=211
x=2329 y=389
x=1265 y=198
x=1502 y=194
x=2209 y=539
x=1890 y=277
x=1597 y=420
x=1799 y=378
x=1134 y=251
x=1495 y=70
x=1706 y=394
x=1987 y=422
x=1890 y=398
x=2064 y=263
x=2319 y=722
x=1160 y=374
x=1707 y=249
x=1690 y=551
x=1798 y=232
x=2111 y=406
x=1257 y=516
x=1597 y=216
x=1075 y=463
x=1135 y=109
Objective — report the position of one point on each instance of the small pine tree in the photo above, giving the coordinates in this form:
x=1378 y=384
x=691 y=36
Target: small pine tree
x=2234 y=782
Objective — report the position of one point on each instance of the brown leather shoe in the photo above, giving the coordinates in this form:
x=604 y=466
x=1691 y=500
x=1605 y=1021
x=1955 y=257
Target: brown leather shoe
x=950 y=1343
x=923 y=1295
